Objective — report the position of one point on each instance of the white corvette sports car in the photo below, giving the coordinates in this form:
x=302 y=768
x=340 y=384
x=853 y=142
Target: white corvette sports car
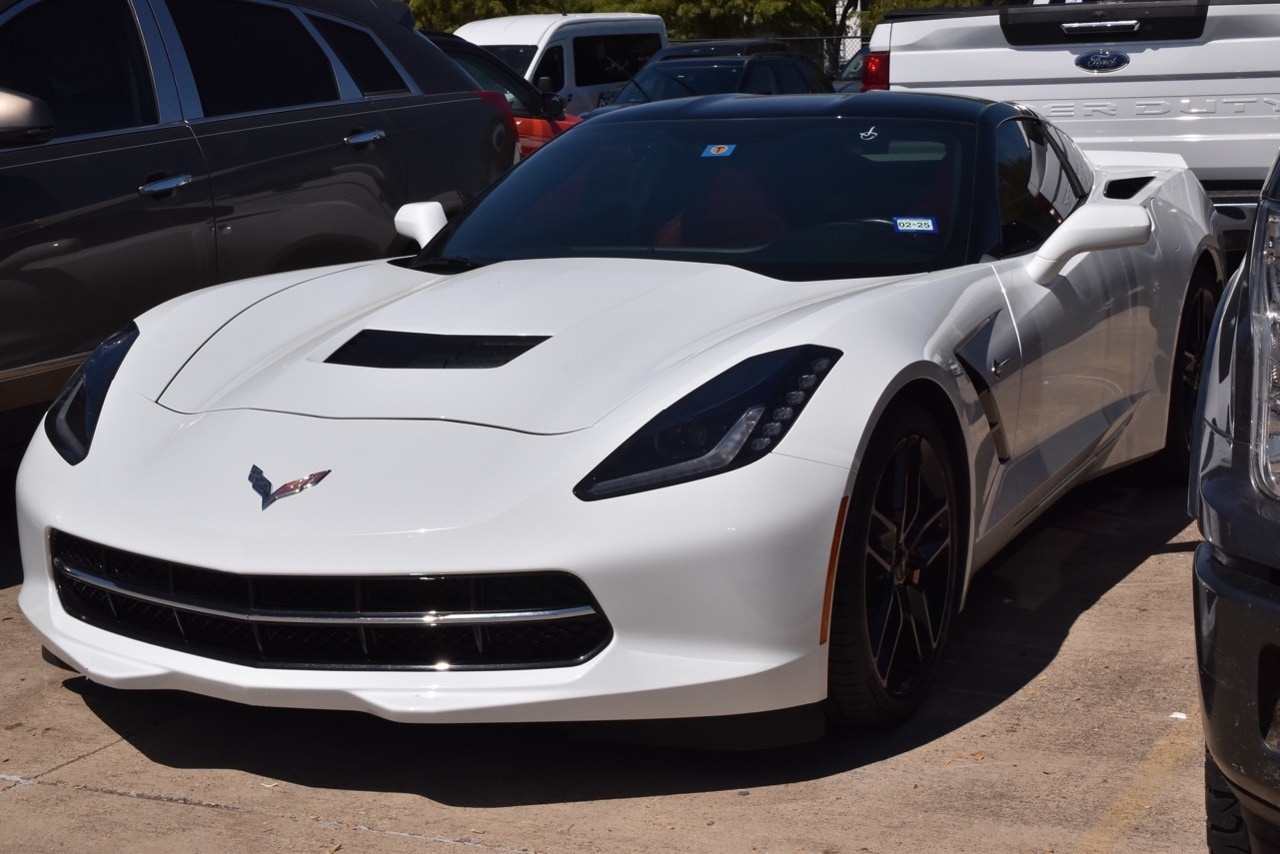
x=712 y=407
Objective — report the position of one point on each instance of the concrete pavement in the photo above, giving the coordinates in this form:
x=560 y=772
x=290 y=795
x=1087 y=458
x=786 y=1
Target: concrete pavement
x=1066 y=721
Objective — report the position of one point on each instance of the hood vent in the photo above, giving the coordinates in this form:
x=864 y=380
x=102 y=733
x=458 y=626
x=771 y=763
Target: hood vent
x=376 y=348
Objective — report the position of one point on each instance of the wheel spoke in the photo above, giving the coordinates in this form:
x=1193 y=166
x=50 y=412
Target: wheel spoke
x=922 y=619
x=912 y=486
x=880 y=545
x=886 y=652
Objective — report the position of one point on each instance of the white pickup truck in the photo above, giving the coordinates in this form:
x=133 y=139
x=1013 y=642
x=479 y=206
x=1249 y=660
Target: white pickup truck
x=1198 y=78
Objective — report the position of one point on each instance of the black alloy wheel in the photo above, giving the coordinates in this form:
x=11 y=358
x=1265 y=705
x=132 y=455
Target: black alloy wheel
x=1225 y=830
x=898 y=573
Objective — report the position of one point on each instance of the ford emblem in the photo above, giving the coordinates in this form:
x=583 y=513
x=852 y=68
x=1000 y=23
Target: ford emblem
x=1102 y=61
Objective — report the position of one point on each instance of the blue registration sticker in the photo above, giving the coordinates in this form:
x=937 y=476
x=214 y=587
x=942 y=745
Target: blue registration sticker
x=718 y=150
x=915 y=224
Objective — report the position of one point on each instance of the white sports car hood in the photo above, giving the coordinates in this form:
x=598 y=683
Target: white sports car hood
x=544 y=346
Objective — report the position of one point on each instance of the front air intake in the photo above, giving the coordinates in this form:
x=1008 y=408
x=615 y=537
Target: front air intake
x=358 y=621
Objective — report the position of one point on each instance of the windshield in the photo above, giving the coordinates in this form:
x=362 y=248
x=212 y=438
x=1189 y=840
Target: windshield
x=518 y=56
x=793 y=198
x=661 y=82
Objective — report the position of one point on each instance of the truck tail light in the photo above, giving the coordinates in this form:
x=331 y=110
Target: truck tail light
x=875 y=71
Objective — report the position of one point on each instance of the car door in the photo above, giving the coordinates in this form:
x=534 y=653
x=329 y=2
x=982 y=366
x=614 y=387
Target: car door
x=297 y=144
x=112 y=214
x=1079 y=381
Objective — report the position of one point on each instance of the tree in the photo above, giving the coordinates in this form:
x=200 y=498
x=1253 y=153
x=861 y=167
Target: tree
x=702 y=19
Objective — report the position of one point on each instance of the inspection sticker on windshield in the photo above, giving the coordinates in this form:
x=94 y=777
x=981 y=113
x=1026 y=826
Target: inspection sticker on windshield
x=718 y=150
x=915 y=224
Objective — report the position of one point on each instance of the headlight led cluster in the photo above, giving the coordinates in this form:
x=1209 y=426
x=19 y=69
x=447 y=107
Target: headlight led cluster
x=73 y=418
x=728 y=422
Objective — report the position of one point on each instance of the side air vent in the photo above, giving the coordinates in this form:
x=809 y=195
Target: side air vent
x=1126 y=188
x=377 y=348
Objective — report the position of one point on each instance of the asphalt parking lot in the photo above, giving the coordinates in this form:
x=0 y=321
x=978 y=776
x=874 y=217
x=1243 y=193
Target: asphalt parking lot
x=1066 y=721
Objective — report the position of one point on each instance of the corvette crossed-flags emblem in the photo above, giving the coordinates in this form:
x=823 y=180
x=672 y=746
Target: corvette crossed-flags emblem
x=262 y=486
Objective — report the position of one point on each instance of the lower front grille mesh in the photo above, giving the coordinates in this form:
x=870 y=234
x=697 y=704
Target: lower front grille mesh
x=456 y=622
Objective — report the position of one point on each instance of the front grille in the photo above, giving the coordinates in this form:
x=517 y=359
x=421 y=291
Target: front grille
x=456 y=622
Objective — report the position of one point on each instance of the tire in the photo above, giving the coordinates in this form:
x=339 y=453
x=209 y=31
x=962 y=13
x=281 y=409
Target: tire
x=897 y=576
x=1188 y=359
x=1224 y=821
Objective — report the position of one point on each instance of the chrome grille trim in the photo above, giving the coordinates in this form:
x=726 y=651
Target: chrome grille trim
x=511 y=620
x=334 y=618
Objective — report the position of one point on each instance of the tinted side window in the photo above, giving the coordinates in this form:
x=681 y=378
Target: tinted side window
x=1035 y=188
x=248 y=56
x=759 y=80
x=1080 y=166
x=789 y=78
x=363 y=57
x=85 y=59
x=492 y=79
x=611 y=59
x=814 y=80
x=552 y=68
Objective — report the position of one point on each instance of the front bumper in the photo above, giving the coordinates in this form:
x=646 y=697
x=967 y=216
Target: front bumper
x=1237 y=618
x=713 y=591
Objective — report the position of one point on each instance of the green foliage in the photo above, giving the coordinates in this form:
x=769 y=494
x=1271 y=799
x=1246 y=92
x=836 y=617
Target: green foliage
x=710 y=19
x=874 y=10
x=695 y=19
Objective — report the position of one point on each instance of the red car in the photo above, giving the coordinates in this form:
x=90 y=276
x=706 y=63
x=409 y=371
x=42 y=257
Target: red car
x=540 y=116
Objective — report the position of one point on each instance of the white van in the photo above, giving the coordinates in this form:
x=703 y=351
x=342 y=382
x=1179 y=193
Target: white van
x=579 y=56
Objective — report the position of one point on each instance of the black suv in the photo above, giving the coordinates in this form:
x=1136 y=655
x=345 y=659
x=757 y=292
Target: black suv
x=767 y=73
x=151 y=147
x=1235 y=494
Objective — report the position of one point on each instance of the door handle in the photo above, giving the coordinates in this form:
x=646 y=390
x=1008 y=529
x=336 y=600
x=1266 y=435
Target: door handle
x=164 y=185
x=1090 y=28
x=364 y=137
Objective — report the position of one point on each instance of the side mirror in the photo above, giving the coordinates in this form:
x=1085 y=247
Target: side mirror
x=1093 y=227
x=552 y=106
x=24 y=119
x=421 y=221
x=544 y=84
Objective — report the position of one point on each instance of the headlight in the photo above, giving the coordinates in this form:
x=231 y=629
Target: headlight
x=1264 y=291
x=73 y=418
x=733 y=420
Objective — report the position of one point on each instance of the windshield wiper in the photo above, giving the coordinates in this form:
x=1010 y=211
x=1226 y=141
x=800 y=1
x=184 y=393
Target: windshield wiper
x=631 y=78
x=452 y=264
x=674 y=78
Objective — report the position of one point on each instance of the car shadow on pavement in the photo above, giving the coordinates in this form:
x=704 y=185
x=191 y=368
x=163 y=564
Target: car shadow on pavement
x=10 y=565
x=1019 y=612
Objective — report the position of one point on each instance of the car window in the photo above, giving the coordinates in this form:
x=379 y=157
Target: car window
x=492 y=79
x=552 y=68
x=760 y=80
x=518 y=56
x=789 y=77
x=611 y=59
x=853 y=68
x=1078 y=163
x=679 y=80
x=858 y=197
x=85 y=59
x=363 y=57
x=247 y=57
x=1035 y=188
